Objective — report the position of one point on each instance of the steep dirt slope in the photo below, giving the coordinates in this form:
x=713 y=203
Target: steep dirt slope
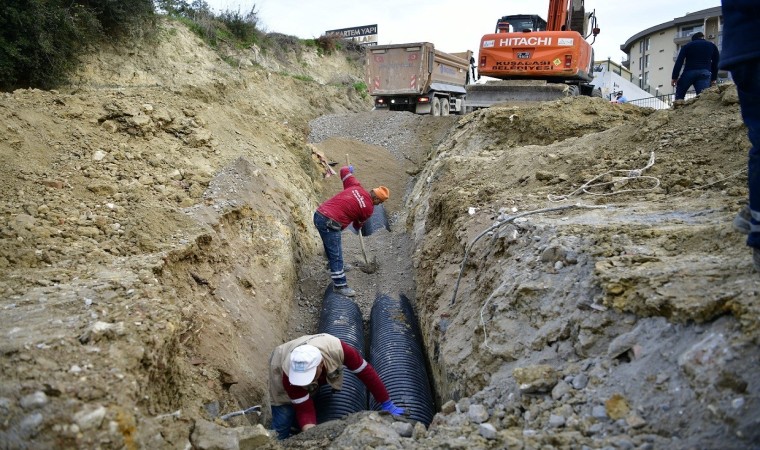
x=153 y=219
x=630 y=323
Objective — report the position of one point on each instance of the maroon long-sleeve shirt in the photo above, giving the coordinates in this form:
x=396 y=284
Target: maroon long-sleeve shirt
x=303 y=403
x=351 y=205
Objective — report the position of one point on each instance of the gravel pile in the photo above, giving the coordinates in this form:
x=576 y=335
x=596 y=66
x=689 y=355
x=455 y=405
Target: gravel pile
x=370 y=128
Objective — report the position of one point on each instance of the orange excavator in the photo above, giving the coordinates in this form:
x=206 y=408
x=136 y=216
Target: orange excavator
x=537 y=60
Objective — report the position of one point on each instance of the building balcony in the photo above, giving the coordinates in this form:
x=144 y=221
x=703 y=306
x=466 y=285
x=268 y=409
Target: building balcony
x=683 y=37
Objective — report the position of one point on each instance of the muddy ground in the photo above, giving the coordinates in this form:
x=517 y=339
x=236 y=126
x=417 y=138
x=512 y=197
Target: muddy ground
x=156 y=244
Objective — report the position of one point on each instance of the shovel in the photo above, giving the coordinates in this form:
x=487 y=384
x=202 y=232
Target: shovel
x=367 y=267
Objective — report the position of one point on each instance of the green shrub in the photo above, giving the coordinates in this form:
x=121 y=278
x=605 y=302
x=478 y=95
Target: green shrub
x=41 y=41
x=124 y=18
x=329 y=43
x=232 y=27
x=243 y=27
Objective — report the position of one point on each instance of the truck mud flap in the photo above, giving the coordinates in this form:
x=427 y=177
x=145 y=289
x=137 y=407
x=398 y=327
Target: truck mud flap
x=423 y=108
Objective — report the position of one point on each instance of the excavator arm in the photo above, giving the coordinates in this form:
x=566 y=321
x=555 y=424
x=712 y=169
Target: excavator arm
x=567 y=15
x=557 y=17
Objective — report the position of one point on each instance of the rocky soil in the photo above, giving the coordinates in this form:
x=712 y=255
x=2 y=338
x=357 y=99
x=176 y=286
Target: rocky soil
x=572 y=263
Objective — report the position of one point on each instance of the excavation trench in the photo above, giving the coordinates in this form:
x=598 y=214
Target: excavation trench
x=252 y=224
x=555 y=293
x=384 y=305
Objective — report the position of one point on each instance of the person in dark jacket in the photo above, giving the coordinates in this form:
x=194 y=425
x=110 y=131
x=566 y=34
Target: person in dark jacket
x=350 y=207
x=298 y=368
x=741 y=56
x=701 y=66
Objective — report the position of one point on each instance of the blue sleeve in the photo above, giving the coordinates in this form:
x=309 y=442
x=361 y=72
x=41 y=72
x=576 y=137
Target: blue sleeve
x=714 y=66
x=679 y=63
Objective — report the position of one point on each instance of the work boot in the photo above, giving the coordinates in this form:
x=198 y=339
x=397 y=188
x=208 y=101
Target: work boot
x=756 y=258
x=348 y=292
x=742 y=221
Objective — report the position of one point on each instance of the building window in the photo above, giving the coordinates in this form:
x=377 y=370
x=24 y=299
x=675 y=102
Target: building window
x=647 y=44
x=646 y=61
x=688 y=30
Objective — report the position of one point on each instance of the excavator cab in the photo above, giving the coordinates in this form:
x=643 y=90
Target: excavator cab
x=520 y=23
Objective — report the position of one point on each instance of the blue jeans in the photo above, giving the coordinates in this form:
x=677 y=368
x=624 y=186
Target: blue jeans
x=333 y=248
x=283 y=418
x=700 y=79
x=746 y=75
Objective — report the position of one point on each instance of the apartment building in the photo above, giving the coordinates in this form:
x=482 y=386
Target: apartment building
x=653 y=52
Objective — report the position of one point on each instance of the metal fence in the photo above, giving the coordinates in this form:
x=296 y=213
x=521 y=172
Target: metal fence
x=660 y=101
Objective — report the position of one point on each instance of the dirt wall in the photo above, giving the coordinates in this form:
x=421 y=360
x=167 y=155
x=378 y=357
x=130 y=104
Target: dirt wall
x=620 y=290
x=154 y=214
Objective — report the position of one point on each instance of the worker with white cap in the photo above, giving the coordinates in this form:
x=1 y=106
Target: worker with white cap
x=297 y=369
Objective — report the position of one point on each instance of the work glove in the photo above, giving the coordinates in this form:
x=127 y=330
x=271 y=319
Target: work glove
x=351 y=168
x=388 y=406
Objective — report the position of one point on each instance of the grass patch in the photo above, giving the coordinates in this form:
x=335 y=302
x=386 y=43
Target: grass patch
x=361 y=89
x=306 y=78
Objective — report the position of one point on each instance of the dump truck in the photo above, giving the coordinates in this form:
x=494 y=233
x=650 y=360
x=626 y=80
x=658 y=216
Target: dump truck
x=418 y=78
x=535 y=60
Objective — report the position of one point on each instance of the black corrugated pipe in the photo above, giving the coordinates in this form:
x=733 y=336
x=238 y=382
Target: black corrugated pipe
x=377 y=221
x=341 y=318
x=395 y=351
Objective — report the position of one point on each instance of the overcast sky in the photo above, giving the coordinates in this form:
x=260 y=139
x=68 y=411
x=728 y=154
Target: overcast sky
x=453 y=26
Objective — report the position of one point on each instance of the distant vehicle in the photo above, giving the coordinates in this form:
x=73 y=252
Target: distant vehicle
x=536 y=60
x=418 y=78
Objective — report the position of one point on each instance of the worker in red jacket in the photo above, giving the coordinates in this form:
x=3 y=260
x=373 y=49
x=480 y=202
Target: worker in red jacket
x=350 y=207
x=297 y=369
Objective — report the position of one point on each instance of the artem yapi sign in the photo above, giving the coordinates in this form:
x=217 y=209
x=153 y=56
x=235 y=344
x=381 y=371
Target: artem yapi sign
x=365 y=34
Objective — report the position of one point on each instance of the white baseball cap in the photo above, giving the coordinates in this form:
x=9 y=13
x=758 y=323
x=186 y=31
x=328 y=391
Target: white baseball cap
x=304 y=361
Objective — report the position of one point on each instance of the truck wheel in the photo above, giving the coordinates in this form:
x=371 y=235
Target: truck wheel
x=436 y=106
x=445 y=106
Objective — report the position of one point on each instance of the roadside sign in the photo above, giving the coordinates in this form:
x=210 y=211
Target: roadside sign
x=364 y=35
